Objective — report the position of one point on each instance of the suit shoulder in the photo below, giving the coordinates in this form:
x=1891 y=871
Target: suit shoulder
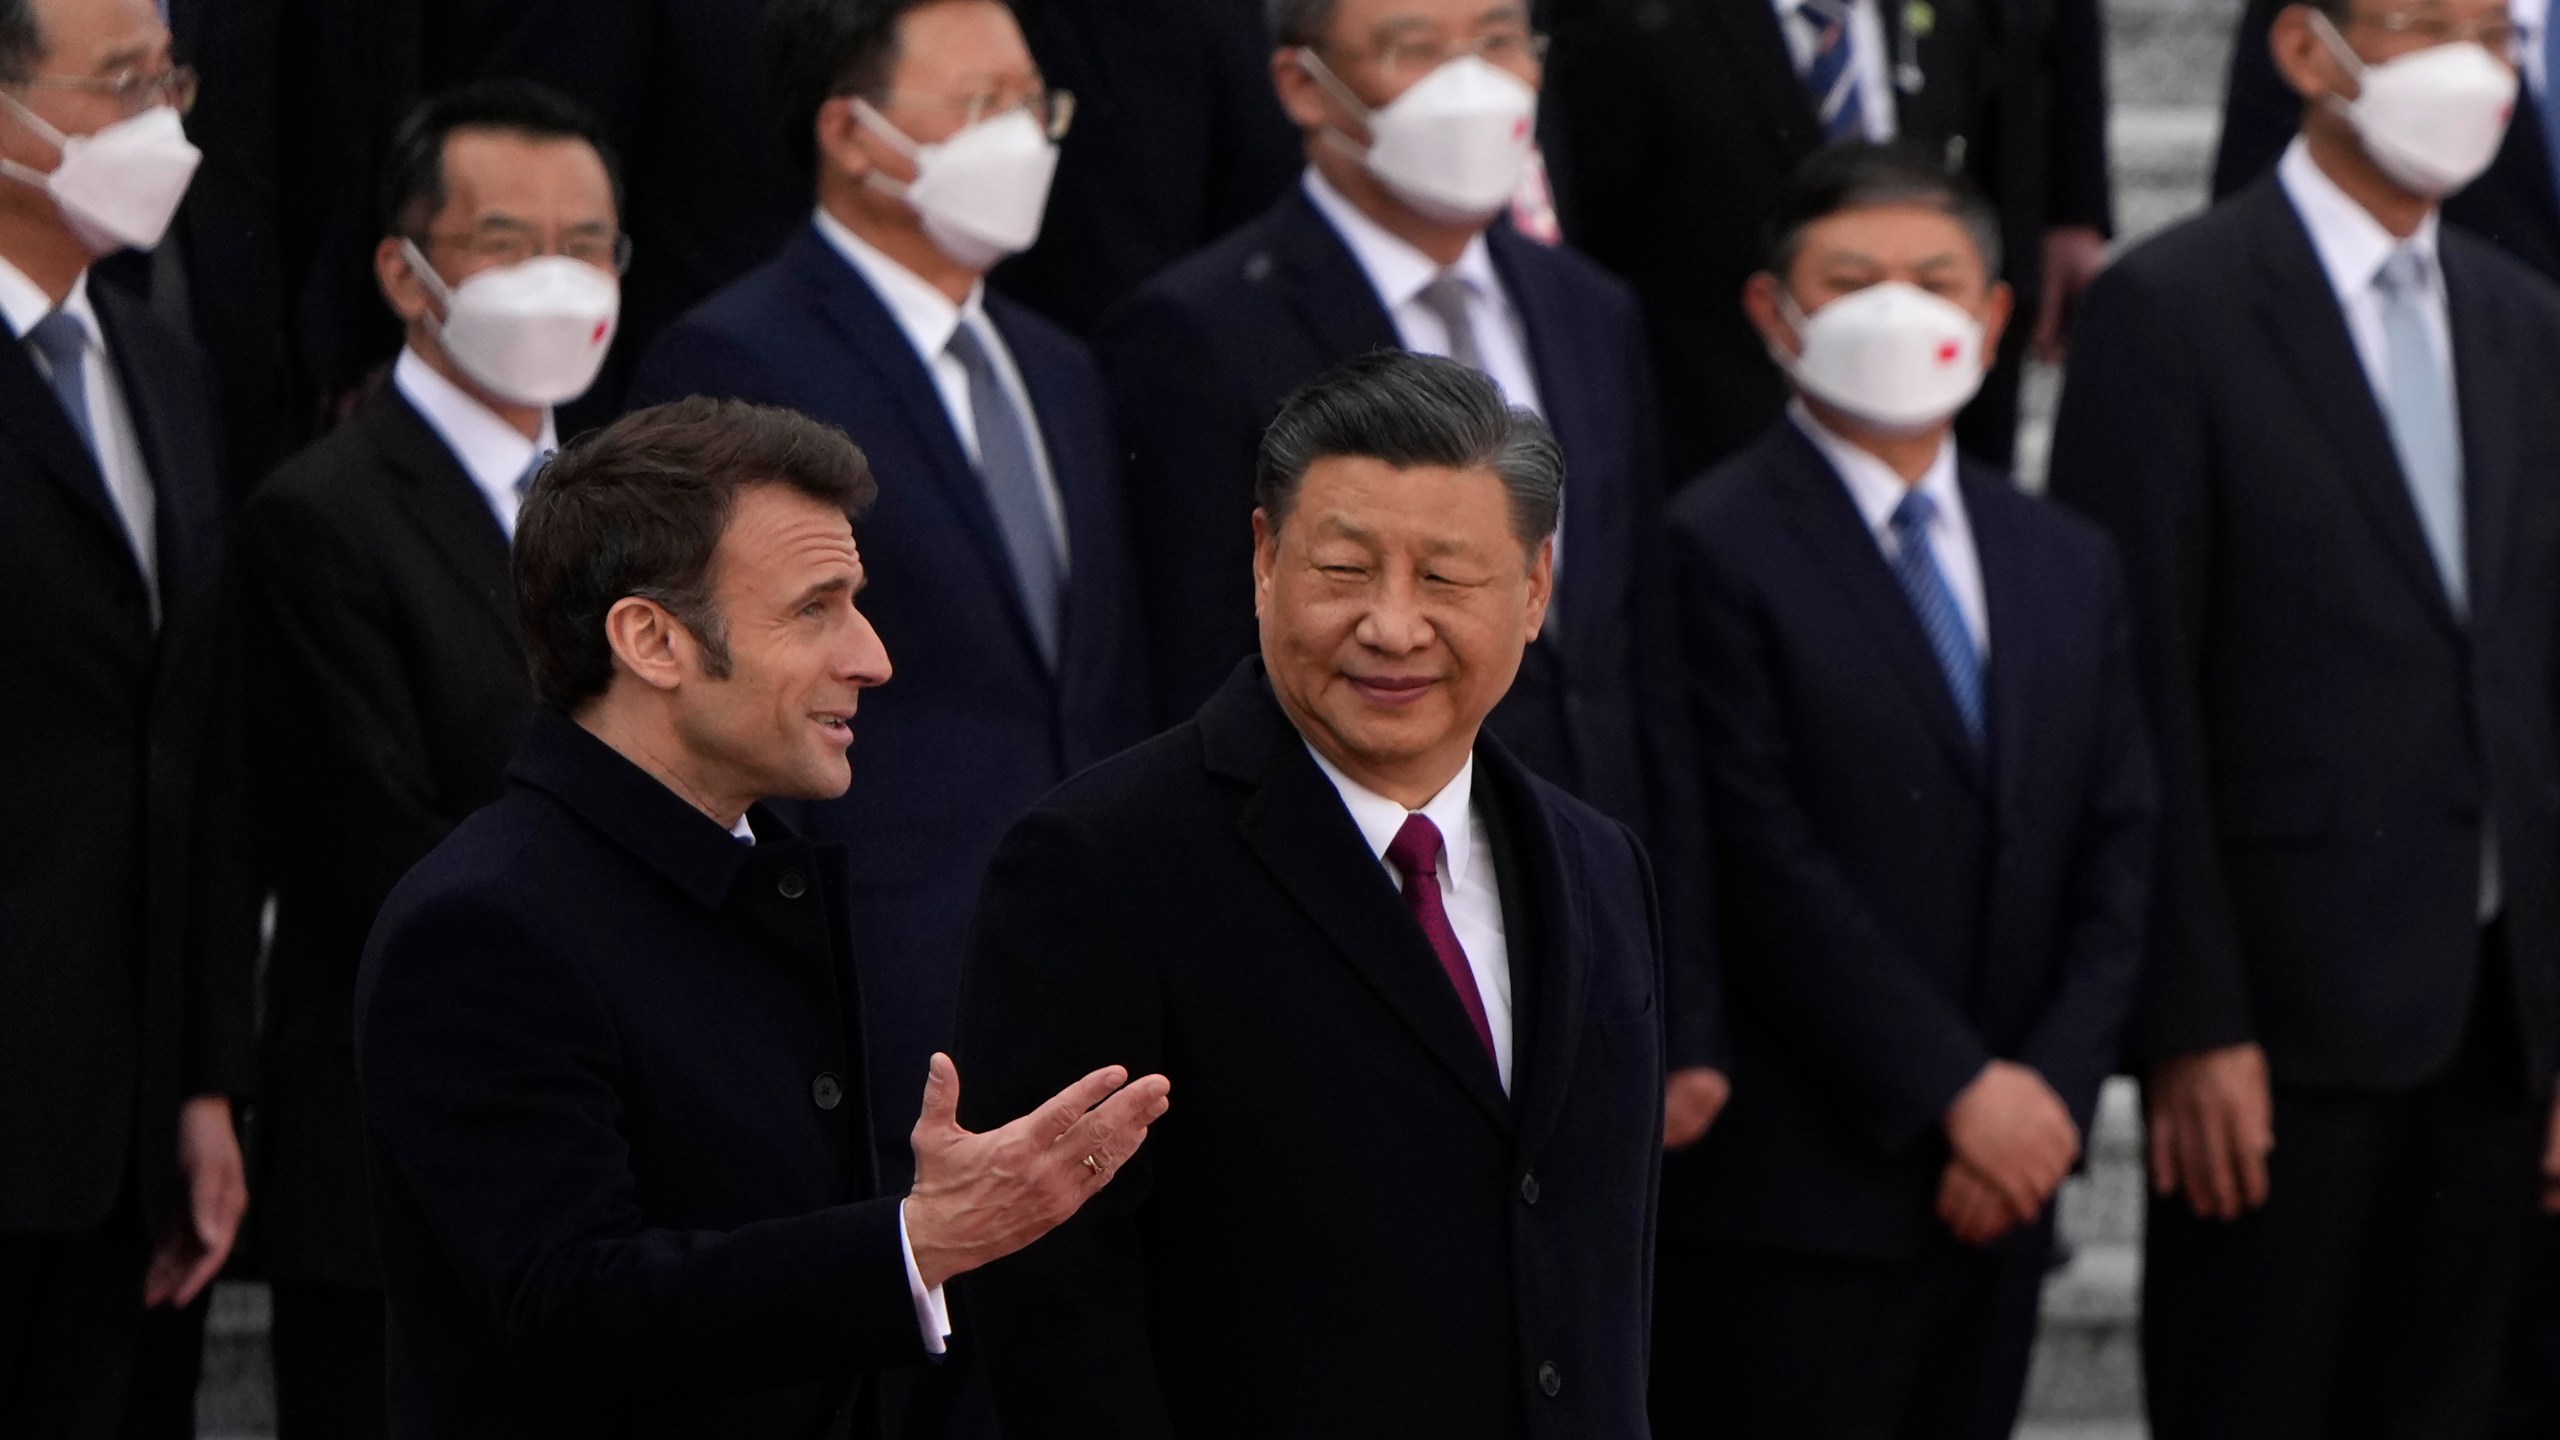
x=1241 y=261
x=323 y=478
x=1577 y=275
x=2077 y=542
x=1737 y=493
x=2219 y=241
x=2521 y=291
x=1125 y=793
x=1039 y=342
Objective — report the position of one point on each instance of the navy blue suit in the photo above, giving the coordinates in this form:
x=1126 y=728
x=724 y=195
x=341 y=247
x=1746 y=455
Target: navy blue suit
x=1897 y=907
x=974 y=727
x=1200 y=360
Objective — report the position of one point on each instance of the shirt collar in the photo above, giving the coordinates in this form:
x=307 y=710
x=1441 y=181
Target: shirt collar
x=924 y=313
x=1380 y=818
x=743 y=830
x=1873 y=485
x=491 y=451
x=2351 y=244
x=23 y=302
x=1396 y=269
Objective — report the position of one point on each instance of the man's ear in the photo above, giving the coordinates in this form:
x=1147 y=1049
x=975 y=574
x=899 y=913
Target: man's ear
x=1542 y=584
x=402 y=290
x=1266 y=558
x=2303 y=55
x=1760 y=301
x=837 y=132
x=646 y=641
x=1998 y=305
x=1302 y=96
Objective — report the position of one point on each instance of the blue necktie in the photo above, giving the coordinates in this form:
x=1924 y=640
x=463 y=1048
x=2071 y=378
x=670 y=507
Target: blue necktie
x=1011 y=474
x=62 y=340
x=1916 y=566
x=1831 y=76
x=2419 y=405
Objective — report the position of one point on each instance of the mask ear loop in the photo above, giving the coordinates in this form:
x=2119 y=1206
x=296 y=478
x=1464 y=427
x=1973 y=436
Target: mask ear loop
x=1315 y=68
x=869 y=118
x=437 y=289
x=19 y=170
x=2347 y=58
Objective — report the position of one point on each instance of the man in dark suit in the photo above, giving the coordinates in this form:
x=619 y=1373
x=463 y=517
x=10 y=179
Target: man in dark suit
x=2511 y=203
x=128 y=924
x=1684 y=119
x=1917 y=711
x=610 y=1030
x=1349 y=925
x=387 y=686
x=2315 y=421
x=1350 y=262
x=1003 y=581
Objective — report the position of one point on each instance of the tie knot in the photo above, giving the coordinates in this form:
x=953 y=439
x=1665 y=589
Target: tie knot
x=2405 y=273
x=59 y=337
x=1415 y=852
x=1448 y=294
x=1914 y=513
x=966 y=347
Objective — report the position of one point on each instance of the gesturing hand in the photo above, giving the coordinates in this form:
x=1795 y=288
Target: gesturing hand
x=2212 y=1119
x=981 y=1197
x=2011 y=1130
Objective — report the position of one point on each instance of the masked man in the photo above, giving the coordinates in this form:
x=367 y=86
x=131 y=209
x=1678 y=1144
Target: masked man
x=931 y=139
x=127 y=927
x=2319 y=425
x=387 y=682
x=1913 y=698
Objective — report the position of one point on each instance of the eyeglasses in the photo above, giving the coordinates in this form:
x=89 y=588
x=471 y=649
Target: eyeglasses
x=1053 y=110
x=503 y=243
x=1510 y=47
x=2496 y=34
x=133 y=91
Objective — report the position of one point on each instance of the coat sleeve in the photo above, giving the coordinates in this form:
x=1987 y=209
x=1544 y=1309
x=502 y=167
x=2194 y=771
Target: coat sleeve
x=1833 y=984
x=225 y=896
x=1191 y=442
x=2075 y=1042
x=493 y=1084
x=2130 y=450
x=2077 y=174
x=1054 y=989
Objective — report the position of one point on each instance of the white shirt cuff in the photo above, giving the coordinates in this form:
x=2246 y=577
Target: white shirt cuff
x=933 y=1315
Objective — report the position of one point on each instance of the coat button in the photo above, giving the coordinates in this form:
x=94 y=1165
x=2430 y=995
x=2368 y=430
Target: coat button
x=1529 y=1187
x=828 y=1091
x=793 y=885
x=1548 y=1379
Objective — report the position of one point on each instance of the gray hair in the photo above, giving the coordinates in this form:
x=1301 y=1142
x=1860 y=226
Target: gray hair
x=1410 y=411
x=21 y=42
x=1299 y=22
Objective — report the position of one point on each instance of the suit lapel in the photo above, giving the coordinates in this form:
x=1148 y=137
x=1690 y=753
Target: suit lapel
x=2490 y=394
x=2303 y=318
x=872 y=333
x=1829 y=523
x=1548 y=929
x=446 y=505
x=2009 y=681
x=35 y=419
x=1325 y=286
x=1568 y=402
x=1296 y=826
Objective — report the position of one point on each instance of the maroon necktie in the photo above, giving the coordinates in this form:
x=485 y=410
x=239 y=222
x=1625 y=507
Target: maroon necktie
x=1416 y=856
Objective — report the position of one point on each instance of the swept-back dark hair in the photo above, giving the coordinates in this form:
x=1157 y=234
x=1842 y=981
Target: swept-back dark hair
x=413 y=178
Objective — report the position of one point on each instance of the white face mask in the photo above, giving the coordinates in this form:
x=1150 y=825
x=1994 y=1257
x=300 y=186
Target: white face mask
x=1455 y=145
x=2431 y=119
x=119 y=187
x=1893 y=355
x=531 y=334
x=980 y=193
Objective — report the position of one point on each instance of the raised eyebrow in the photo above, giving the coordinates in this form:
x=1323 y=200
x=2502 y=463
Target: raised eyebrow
x=823 y=588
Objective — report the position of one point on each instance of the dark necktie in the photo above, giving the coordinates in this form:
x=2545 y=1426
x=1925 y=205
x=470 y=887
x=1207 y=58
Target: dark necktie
x=1916 y=566
x=1011 y=474
x=62 y=340
x=1831 y=76
x=1415 y=854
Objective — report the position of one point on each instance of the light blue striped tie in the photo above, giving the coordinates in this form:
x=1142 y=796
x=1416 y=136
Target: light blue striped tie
x=2424 y=430
x=1916 y=566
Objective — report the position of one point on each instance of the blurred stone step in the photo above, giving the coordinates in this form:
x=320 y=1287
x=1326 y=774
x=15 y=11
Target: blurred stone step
x=237 y=1398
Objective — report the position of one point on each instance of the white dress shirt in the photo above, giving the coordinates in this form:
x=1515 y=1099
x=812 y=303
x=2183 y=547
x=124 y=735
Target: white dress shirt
x=2352 y=247
x=1875 y=489
x=492 y=452
x=119 y=455
x=1875 y=68
x=1398 y=272
x=928 y=317
x=933 y=1313
x=1469 y=889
